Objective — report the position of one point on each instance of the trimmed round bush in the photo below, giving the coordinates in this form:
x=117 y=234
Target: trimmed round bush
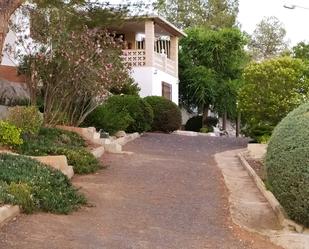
x=122 y=112
x=195 y=123
x=167 y=116
x=287 y=164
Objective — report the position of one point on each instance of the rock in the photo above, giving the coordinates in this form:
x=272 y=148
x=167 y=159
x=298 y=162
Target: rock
x=57 y=162
x=120 y=134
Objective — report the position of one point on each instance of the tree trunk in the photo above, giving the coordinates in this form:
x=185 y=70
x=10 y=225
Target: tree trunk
x=7 y=8
x=238 y=123
x=205 y=114
x=224 y=119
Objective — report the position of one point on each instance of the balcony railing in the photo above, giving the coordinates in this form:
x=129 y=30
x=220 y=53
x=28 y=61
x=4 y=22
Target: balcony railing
x=137 y=58
x=134 y=58
x=165 y=64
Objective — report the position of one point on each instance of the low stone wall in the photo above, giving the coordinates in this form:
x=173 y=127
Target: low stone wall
x=57 y=162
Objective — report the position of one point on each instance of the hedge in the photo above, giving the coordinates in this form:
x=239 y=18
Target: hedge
x=287 y=164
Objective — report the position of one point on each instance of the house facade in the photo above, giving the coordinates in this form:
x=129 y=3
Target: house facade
x=151 y=50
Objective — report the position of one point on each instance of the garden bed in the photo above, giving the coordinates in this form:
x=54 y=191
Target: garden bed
x=258 y=166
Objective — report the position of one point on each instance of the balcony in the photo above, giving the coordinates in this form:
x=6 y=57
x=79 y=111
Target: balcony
x=137 y=58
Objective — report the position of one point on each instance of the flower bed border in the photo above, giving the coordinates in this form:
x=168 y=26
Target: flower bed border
x=271 y=199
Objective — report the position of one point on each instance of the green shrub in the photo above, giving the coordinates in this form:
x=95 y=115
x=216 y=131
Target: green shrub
x=36 y=186
x=20 y=194
x=109 y=118
x=27 y=118
x=288 y=166
x=195 y=123
x=204 y=130
x=51 y=141
x=122 y=112
x=9 y=134
x=167 y=116
x=83 y=162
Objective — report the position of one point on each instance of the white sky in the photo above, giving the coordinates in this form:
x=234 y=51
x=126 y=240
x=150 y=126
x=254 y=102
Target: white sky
x=296 y=21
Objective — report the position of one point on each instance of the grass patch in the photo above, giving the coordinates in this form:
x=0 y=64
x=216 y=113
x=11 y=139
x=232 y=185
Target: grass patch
x=35 y=186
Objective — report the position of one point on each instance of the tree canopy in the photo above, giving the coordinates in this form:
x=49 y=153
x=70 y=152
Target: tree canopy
x=268 y=39
x=272 y=89
x=211 y=13
x=209 y=62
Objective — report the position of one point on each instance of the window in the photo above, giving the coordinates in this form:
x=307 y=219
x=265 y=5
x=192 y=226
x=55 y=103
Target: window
x=167 y=91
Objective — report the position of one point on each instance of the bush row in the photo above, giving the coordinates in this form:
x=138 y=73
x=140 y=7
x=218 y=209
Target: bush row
x=134 y=114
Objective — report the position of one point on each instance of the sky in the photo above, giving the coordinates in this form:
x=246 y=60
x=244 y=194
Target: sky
x=295 y=21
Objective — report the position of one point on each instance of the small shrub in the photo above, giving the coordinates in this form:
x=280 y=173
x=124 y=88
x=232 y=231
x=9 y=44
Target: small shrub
x=287 y=164
x=129 y=113
x=27 y=118
x=83 y=162
x=195 y=123
x=167 y=116
x=204 y=130
x=36 y=186
x=9 y=134
x=20 y=194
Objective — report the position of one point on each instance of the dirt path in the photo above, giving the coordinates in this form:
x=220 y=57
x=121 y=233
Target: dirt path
x=168 y=195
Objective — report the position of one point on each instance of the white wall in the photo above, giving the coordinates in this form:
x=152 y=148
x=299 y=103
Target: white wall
x=7 y=59
x=150 y=81
x=143 y=76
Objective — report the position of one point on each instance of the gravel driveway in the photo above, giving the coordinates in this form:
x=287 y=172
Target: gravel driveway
x=169 y=194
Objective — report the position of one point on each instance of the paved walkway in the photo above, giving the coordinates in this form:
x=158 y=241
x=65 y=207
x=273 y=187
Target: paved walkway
x=169 y=195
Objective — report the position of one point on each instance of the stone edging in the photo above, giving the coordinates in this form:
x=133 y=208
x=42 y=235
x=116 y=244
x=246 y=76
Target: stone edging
x=7 y=213
x=273 y=202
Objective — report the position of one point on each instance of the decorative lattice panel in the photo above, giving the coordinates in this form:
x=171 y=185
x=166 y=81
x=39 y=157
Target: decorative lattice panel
x=134 y=58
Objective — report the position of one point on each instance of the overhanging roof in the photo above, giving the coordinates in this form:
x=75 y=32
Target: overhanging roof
x=162 y=26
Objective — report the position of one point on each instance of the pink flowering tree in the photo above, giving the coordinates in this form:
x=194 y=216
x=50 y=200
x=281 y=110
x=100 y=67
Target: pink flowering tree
x=72 y=67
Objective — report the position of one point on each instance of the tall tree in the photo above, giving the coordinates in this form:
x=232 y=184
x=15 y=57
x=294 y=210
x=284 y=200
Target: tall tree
x=209 y=62
x=212 y=13
x=268 y=39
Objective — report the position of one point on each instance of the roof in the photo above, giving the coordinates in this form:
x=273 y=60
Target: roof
x=160 y=21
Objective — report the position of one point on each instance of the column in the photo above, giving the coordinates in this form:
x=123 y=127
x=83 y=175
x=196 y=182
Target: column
x=149 y=42
x=174 y=52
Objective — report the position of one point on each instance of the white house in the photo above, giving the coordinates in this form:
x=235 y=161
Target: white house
x=151 y=50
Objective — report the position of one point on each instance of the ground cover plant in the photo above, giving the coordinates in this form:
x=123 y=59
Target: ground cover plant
x=35 y=186
x=52 y=141
x=167 y=116
x=287 y=164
